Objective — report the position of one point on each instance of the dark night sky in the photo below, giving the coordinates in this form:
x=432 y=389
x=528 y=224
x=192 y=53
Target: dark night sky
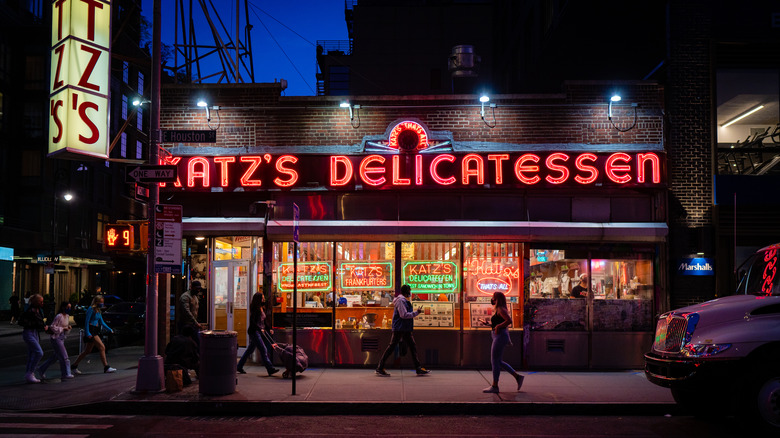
x=311 y=19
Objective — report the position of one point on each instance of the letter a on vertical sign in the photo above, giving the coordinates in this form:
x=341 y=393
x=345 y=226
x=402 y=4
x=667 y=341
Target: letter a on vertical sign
x=80 y=78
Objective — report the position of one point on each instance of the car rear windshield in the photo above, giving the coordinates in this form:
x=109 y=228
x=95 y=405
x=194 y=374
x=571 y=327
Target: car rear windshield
x=759 y=273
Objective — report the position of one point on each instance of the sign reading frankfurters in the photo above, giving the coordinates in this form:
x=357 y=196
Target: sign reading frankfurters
x=409 y=171
x=80 y=78
x=366 y=275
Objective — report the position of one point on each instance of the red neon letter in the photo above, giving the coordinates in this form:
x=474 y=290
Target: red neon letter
x=223 y=169
x=550 y=162
x=334 y=162
x=520 y=167
x=246 y=178
x=611 y=168
x=285 y=171
x=435 y=173
x=203 y=173
x=479 y=172
x=85 y=118
x=498 y=158
x=418 y=170
x=84 y=80
x=173 y=161
x=655 y=167
x=365 y=170
x=57 y=121
x=580 y=163
x=397 y=180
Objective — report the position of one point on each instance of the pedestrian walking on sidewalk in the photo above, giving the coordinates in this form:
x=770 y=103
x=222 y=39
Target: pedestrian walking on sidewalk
x=59 y=329
x=403 y=324
x=15 y=309
x=499 y=323
x=255 y=332
x=94 y=329
x=32 y=322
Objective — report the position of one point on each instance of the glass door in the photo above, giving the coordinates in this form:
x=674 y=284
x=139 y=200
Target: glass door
x=231 y=285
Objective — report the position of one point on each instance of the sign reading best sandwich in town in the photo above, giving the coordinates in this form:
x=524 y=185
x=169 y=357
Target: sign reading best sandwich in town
x=80 y=78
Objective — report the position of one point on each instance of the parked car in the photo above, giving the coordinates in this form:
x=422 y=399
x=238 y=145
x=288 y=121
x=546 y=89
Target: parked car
x=127 y=320
x=723 y=356
x=80 y=309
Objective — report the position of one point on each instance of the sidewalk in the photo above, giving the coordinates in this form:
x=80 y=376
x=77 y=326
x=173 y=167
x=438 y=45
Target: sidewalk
x=324 y=391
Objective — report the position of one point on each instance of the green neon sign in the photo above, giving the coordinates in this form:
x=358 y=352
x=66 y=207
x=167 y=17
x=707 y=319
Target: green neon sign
x=431 y=276
x=312 y=276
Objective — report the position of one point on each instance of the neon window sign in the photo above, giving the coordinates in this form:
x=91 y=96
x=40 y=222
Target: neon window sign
x=312 y=276
x=489 y=277
x=366 y=275
x=431 y=276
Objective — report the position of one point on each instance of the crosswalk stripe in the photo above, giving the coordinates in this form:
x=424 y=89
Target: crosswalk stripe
x=55 y=426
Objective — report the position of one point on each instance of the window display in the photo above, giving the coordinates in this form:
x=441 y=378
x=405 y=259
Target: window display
x=364 y=285
x=553 y=275
x=314 y=274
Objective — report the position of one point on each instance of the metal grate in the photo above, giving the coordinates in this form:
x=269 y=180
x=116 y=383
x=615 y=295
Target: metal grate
x=369 y=344
x=556 y=346
x=669 y=334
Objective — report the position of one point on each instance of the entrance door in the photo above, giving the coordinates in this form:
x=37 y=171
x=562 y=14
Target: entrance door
x=230 y=286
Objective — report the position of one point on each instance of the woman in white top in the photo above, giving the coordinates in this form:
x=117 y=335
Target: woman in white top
x=59 y=329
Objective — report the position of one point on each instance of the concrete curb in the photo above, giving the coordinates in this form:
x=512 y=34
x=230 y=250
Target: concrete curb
x=282 y=408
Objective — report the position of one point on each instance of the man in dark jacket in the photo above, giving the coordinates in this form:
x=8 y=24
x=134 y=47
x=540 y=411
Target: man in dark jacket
x=403 y=324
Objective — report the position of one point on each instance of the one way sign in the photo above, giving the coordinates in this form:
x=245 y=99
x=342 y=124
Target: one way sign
x=151 y=174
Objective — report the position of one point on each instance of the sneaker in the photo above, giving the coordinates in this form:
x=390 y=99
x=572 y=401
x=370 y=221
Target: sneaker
x=491 y=390
x=75 y=371
x=41 y=374
x=519 y=379
x=273 y=371
x=241 y=371
x=30 y=378
x=69 y=376
x=421 y=371
x=382 y=372
x=108 y=369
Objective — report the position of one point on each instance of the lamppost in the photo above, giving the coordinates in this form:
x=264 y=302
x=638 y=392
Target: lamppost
x=67 y=196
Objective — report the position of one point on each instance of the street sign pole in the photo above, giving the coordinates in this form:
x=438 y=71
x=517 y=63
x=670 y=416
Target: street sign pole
x=150 y=376
x=296 y=219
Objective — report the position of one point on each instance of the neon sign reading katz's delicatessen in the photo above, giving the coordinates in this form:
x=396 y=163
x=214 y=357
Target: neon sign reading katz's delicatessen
x=428 y=170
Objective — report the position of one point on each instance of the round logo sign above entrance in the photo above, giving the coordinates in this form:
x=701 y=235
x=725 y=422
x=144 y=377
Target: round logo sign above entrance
x=408 y=136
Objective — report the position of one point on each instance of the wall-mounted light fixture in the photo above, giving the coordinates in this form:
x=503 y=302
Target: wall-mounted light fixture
x=483 y=99
x=139 y=101
x=203 y=104
x=200 y=238
x=349 y=106
x=614 y=100
x=741 y=116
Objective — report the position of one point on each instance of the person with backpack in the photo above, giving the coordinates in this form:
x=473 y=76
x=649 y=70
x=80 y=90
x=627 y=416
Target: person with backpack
x=403 y=324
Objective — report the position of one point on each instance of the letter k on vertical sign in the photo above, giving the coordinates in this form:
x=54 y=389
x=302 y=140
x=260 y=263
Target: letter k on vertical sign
x=80 y=78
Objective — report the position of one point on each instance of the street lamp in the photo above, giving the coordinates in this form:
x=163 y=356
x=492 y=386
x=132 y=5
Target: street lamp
x=67 y=196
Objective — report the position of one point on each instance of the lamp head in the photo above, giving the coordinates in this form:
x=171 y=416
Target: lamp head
x=484 y=98
x=202 y=103
x=67 y=196
x=615 y=98
x=344 y=105
x=136 y=102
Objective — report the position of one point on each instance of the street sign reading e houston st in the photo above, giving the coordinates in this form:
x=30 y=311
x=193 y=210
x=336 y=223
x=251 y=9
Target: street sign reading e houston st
x=189 y=136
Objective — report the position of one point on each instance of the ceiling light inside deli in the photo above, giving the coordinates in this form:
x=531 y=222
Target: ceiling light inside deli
x=79 y=79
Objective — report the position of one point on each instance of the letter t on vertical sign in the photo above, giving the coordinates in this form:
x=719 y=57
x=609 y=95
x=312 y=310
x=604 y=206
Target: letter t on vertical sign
x=80 y=78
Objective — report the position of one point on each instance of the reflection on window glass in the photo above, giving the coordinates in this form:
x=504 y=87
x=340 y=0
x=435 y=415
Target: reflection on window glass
x=364 y=285
x=552 y=275
x=432 y=270
x=490 y=267
x=232 y=248
x=314 y=273
x=622 y=279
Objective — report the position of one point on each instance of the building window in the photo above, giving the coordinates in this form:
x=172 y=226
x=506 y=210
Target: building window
x=35 y=73
x=139 y=150
x=432 y=270
x=102 y=220
x=490 y=267
x=123 y=145
x=140 y=84
x=124 y=107
x=139 y=118
x=125 y=71
x=315 y=273
x=35 y=7
x=33 y=119
x=554 y=300
x=1 y=111
x=31 y=164
x=338 y=80
x=364 y=284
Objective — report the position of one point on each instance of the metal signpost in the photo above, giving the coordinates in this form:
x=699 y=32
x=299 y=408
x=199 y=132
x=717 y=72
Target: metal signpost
x=296 y=219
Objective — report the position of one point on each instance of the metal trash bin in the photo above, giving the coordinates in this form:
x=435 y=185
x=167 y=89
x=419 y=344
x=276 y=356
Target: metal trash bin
x=218 y=352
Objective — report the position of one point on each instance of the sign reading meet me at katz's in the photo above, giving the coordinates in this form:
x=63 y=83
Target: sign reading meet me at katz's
x=428 y=170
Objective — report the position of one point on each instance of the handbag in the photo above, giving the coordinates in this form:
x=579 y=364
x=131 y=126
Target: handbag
x=173 y=381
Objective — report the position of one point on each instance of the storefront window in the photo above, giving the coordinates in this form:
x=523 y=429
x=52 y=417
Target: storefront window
x=314 y=283
x=490 y=267
x=554 y=300
x=623 y=294
x=432 y=270
x=364 y=285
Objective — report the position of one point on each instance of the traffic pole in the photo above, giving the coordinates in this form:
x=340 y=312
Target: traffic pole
x=150 y=376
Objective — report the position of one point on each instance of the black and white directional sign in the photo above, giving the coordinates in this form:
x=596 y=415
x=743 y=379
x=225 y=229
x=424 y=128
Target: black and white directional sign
x=151 y=174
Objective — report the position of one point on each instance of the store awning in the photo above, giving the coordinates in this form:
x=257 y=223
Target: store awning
x=529 y=231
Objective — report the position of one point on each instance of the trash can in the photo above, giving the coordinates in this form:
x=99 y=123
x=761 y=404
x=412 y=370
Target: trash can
x=218 y=352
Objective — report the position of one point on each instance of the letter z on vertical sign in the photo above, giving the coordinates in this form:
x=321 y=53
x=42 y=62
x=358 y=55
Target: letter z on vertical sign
x=80 y=78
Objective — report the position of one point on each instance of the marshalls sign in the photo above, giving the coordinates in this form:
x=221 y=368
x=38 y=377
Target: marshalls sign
x=80 y=78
